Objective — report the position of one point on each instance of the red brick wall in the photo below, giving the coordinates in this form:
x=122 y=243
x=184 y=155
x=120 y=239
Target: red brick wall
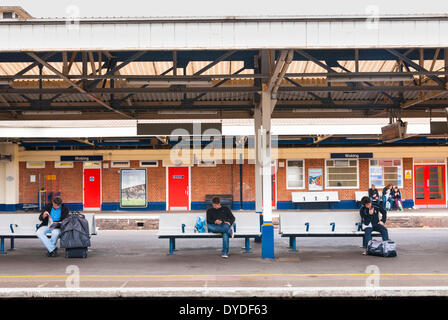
x=407 y=192
x=223 y=179
x=68 y=182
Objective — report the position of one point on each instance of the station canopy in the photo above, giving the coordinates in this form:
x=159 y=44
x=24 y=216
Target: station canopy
x=145 y=69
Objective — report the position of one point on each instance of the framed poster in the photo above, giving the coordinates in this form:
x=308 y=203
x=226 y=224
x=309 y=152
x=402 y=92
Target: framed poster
x=133 y=188
x=315 y=179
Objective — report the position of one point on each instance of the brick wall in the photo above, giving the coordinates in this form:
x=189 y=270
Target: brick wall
x=222 y=179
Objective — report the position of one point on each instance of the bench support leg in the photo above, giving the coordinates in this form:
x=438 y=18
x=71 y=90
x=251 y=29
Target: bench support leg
x=172 y=246
x=247 y=245
x=12 y=244
x=2 y=245
x=292 y=244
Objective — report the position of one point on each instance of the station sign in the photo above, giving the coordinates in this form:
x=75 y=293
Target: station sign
x=81 y=158
x=366 y=155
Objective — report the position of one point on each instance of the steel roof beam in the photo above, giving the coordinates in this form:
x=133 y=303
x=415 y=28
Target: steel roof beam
x=91 y=96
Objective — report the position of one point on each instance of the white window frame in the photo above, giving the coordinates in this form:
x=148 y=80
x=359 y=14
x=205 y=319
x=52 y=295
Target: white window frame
x=393 y=159
x=114 y=165
x=342 y=187
x=38 y=164
x=303 y=175
x=148 y=165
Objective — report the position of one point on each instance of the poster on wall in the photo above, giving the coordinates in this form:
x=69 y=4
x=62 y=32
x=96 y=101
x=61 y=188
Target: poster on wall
x=133 y=188
x=315 y=179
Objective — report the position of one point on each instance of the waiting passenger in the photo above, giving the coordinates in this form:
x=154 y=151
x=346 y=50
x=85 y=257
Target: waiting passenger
x=374 y=195
x=51 y=217
x=370 y=220
x=220 y=220
x=396 y=195
x=387 y=197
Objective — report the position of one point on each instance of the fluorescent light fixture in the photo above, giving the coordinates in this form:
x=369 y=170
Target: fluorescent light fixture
x=5 y=82
x=348 y=78
x=168 y=83
x=166 y=112
x=322 y=110
x=50 y=113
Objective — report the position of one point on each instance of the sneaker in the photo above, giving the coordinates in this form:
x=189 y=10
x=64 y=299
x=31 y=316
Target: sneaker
x=53 y=253
x=224 y=256
x=364 y=253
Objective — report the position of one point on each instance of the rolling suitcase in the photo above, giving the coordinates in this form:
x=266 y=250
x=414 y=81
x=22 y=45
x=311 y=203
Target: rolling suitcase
x=76 y=252
x=75 y=237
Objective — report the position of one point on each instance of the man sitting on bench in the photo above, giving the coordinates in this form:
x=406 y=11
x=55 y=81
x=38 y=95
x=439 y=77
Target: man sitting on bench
x=371 y=221
x=51 y=217
x=220 y=220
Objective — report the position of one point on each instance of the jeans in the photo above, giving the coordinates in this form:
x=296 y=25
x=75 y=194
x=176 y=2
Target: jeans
x=388 y=199
x=225 y=229
x=50 y=244
x=396 y=203
x=368 y=234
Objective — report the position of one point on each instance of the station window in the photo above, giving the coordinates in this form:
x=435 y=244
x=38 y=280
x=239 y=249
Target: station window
x=35 y=164
x=207 y=163
x=120 y=164
x=386 y=171
x=63 y=164
x=295 y=173
x=149 y=163
x=341 y=173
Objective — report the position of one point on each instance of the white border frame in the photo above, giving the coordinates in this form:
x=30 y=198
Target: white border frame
x=120 y=166
x=446 y=181
x=167 y=187
x=339 y=188
x=146 y=189
x=148 y=166
x=101 y=186
x=303 y=175
x=402 y=171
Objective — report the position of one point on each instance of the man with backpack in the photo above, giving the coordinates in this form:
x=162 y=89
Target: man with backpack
x=52 y=216
x=220 y=220
x=370 y=220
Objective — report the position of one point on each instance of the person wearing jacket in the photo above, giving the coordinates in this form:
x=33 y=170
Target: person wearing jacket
x=371 y=221
x=387 y=196
x=220 y=220
x=397 y=198
x=51 y=217
x=373 y=194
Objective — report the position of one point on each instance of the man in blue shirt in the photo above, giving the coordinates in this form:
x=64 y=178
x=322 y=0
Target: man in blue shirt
x=51 y=217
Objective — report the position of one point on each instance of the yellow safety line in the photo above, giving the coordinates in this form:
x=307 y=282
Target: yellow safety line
x=231 y=275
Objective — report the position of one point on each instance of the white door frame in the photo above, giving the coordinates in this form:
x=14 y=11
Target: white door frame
x=101 y=186
x=167 y=187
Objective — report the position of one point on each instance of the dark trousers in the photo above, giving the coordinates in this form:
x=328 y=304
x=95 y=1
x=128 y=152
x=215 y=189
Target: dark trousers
x=368 y=233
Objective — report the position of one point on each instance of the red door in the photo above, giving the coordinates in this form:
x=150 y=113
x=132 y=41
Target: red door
x=430 y=185
x=92 y=188
x=178 y=188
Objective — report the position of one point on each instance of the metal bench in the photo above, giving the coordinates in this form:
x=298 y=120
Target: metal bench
x=14 y=226
x=181 y=225
x=320 y=224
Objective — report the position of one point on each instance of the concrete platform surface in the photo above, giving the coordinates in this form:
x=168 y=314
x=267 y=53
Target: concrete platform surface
x=126 y=263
